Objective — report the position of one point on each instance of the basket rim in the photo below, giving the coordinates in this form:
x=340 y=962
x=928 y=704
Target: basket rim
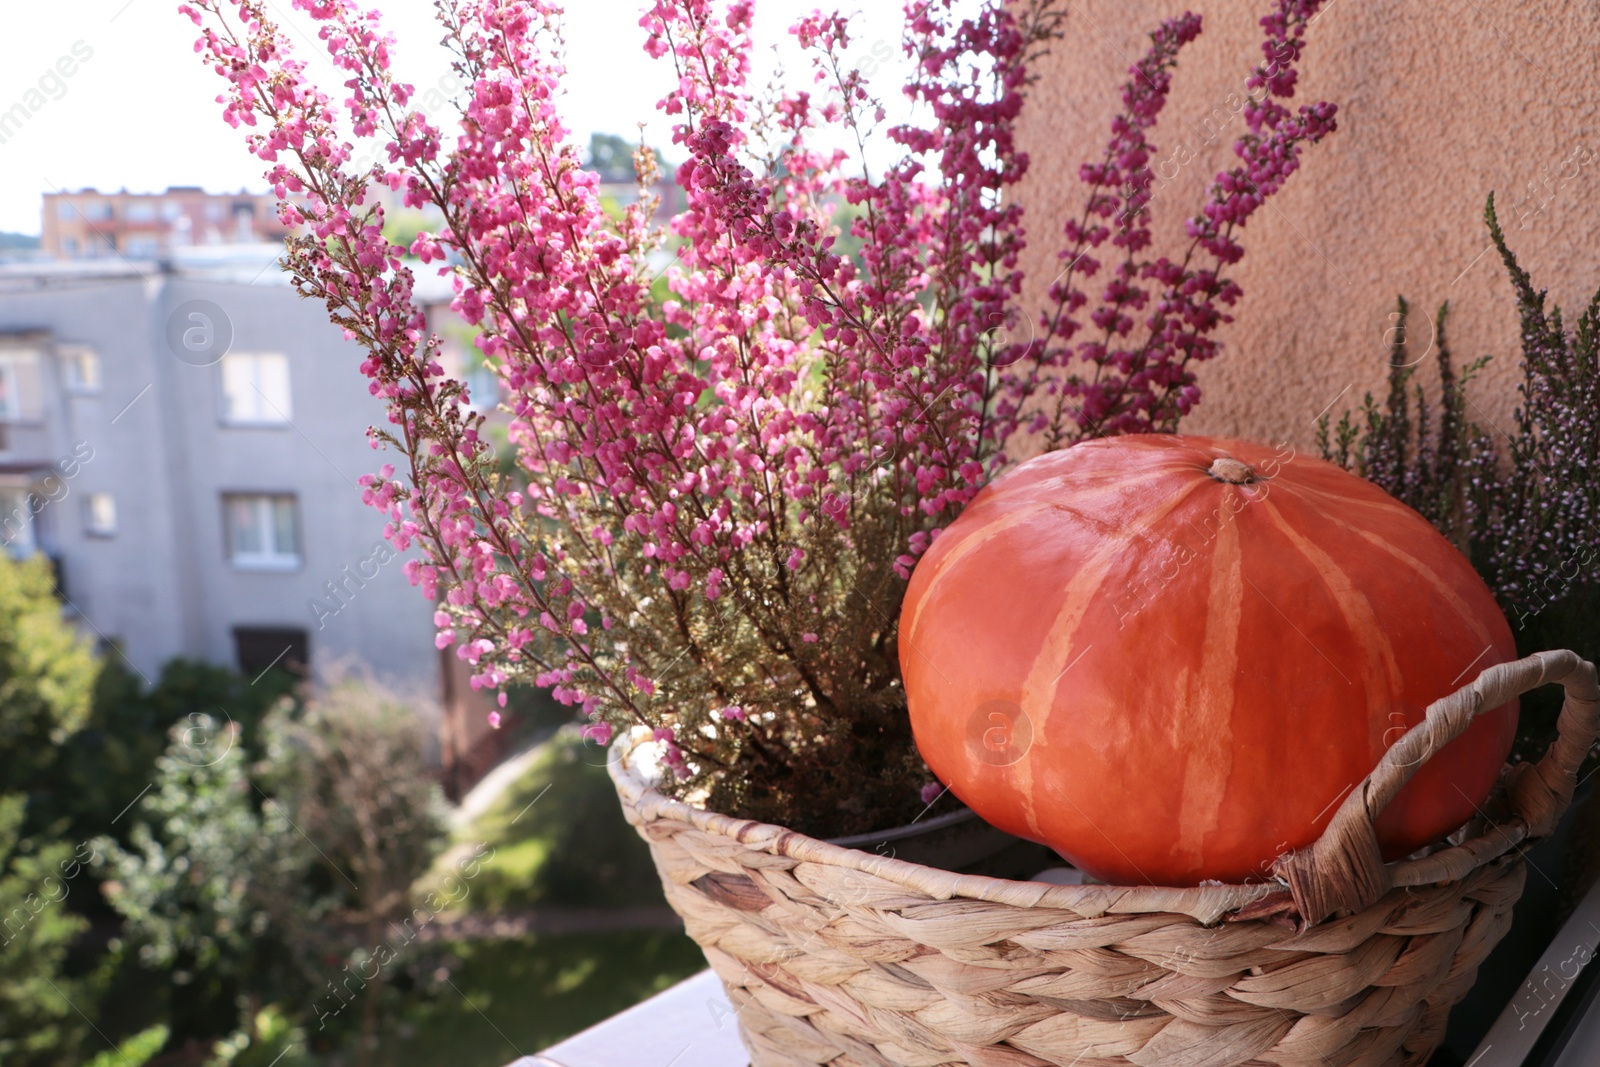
x=1206 y=903
x=905 y=830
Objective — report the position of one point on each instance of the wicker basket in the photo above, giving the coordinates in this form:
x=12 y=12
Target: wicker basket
x=838 y=957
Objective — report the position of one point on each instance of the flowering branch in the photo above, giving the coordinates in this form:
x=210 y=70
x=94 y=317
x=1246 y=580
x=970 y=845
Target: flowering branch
x=1142 y=376
x=720 y=488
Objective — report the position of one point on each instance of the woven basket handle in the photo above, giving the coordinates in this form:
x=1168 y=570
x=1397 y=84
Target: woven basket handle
x=1344 y=869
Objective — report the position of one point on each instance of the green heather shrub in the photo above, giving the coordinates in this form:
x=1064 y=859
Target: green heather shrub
x=1522 y=501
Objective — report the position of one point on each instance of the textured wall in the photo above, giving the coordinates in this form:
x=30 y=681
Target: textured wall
x=1439 y=103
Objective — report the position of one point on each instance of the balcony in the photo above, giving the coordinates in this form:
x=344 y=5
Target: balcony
x=25 y=444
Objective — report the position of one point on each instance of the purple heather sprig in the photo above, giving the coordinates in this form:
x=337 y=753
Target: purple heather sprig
x=1157 y=316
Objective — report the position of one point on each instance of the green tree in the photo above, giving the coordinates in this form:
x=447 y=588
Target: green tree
x=277 y=881
x=46 y=671
x=109 y=761
x=212 y=871
x=38 y=1019
x=45 y=674
x=611 y=157
x=353 y=770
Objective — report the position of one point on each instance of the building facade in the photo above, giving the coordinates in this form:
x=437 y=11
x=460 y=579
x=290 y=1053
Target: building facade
x=89 y=223
x=185 y=445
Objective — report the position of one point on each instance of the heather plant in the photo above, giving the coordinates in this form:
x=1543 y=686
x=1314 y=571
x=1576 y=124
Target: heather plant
x=719 y=492
x=1397 y=445
x=1522 y=504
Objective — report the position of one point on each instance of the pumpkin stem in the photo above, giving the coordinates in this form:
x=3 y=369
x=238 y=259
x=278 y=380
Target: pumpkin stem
x=1227 y=469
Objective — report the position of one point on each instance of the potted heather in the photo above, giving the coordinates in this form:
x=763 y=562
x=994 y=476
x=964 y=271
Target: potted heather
x=724 y=478
x=725 y=474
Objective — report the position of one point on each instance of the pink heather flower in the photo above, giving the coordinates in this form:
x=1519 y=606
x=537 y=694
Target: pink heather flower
x=932 y=791
x=681 y=447
x=494 y=720
x=1143 y=338
x=598 y=732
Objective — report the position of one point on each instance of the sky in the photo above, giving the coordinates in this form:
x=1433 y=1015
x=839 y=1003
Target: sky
x=138 y=109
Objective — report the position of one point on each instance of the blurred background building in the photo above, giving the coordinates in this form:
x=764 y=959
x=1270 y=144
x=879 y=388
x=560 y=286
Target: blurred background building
x=89 y=223
x=182 y=434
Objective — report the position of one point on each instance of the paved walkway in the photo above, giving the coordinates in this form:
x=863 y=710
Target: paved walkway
x=550 y=921
x=481 y=796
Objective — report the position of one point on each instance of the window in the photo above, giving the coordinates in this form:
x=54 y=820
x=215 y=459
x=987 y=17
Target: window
x=100 y=515
x=20 y=384
x=97 y=210
x=65 y=210
x=10 y=393
x=483 y=386
x=141 y=211
x=264 y=648
x=263 y=531
x=244 y=219
x=16 y=522
x=82 y=366
x=142 y=246
x=255 y=389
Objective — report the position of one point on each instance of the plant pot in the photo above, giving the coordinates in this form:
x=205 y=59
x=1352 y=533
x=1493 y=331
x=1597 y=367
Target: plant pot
x=841 y=957
x=959 y=841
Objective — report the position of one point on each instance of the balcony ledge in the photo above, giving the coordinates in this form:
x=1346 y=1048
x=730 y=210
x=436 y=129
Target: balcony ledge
x=692 y=1023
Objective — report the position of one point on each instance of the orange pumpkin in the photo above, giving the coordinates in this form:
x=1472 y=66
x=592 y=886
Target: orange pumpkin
x=1170 y=657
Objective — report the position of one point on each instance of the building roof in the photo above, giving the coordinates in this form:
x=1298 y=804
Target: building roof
x=241 y=264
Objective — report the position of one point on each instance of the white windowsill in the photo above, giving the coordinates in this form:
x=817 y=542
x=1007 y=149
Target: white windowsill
x=689 y=1025
x=279 y=564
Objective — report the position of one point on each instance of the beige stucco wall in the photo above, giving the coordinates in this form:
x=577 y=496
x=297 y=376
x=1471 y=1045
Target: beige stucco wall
x=1439 y=103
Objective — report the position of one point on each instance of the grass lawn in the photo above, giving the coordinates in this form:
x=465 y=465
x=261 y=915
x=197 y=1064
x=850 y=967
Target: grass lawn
x=559 y=839
x=560 y=842
x=515 y=996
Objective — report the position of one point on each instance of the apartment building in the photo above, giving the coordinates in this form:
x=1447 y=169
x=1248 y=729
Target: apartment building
x=183 y=441
x=89 y=223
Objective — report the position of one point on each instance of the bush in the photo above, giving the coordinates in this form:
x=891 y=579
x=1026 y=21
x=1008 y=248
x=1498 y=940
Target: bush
x=105 y=764
x=352 y=773
x=37 y=1014
x=206 y=875
x=259 y=882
